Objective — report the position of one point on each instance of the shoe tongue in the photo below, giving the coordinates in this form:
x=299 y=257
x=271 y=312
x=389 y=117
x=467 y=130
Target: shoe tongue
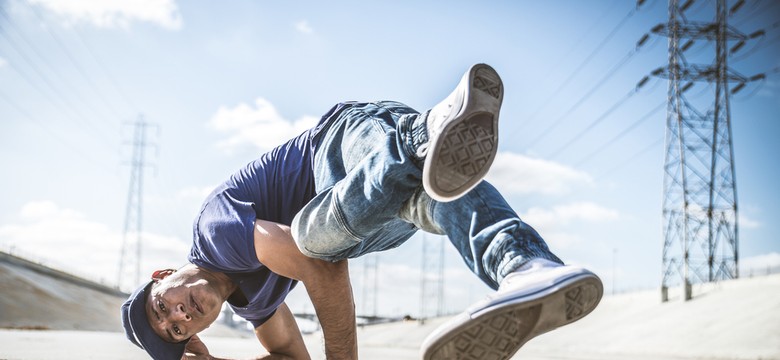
x=529 y=267
x=535 y=264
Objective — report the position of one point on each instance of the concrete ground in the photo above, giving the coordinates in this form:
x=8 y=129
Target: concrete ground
x=731 y=320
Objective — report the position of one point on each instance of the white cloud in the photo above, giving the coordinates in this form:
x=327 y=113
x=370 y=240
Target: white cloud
x=560 y=239
x=760 y=264
x=39 y=209
x=519 y=174
x=552 y=222
x=66 y=239
x=767 y=88
x=748 y=223
x=195 y=192
x=260 y=125
x=564 y=214
x=303 y=27
x=3 y=62
x=115 y=13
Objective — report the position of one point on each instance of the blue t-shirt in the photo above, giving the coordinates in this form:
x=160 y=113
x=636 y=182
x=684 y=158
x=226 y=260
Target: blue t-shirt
x=273 y=188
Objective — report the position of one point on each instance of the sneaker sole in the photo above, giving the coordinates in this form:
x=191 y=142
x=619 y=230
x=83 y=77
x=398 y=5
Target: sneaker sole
x=464 y=151
x=498 y=331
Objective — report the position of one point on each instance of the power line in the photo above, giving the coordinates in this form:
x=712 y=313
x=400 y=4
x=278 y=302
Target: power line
x=759 y=77
x=594 y=123
x=579 y=41
x=740 y=97
x=755 y=11
x=760 y=44
x=582 y=64
x=75 y=63
x=49 y=131
x=79 y=119
x=620 y=135
x=63 y=102
x=108 y=73
x=631 y=158
x=587 y=95
x=774 y=40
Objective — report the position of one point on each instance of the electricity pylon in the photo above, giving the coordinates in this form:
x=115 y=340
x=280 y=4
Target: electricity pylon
x=432 y=277
x=700 y=190
x=370 y=284
x=130 y=258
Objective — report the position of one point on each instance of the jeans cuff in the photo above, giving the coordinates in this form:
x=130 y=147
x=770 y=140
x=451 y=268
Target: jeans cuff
x=414 y=134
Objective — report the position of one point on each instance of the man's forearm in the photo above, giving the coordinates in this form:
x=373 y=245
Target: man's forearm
x=326 y=282
x=331 y=293
x=275 y=357
x=264 y=357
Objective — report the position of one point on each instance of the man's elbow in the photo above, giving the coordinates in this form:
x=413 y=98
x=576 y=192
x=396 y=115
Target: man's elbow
x=322 y=270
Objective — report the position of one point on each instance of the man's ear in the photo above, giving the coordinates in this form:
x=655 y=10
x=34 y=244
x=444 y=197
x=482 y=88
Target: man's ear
x=162 y=274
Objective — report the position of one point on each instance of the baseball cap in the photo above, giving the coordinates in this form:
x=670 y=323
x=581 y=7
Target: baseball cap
x=140 y=333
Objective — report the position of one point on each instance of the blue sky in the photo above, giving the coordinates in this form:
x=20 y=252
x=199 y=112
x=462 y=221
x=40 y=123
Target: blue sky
x=223 y=83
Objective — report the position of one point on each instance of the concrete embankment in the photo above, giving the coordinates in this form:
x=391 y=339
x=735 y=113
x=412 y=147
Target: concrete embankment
x=738 y=319
x=38 y=297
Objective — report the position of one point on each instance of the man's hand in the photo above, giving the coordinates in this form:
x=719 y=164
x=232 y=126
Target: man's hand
x=196 y=350
x=327 y=284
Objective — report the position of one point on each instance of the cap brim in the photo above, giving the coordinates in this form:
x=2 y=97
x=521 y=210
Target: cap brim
x=139 y=331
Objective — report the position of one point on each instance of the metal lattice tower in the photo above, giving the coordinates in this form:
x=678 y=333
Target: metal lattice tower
x=370 y=284
x=700 y=191
x=130 y=258
x=432 y=277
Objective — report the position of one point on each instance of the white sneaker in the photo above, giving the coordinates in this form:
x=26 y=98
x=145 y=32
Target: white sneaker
x=463 y=135
x=527 y=304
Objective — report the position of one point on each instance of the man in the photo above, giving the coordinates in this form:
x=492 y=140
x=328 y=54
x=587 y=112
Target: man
x=365 y=179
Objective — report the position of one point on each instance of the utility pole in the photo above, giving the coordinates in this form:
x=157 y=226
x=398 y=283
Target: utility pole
x=700 y=190
x=432 y=278
x=130 y=257
x=370 y=284
x=614 y=269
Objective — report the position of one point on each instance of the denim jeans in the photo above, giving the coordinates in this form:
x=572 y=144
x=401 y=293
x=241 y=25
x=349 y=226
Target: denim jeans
x=369 y=197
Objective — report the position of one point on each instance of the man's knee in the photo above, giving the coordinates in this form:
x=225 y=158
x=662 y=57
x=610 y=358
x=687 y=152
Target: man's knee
x=418 y=210
x=320 y=236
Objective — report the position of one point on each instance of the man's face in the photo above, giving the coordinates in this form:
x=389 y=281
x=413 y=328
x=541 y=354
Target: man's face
x=183 y=304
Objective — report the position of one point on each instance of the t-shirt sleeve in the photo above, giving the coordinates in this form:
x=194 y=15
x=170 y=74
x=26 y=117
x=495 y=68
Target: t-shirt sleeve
x=260 y=321
x=223 y=236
